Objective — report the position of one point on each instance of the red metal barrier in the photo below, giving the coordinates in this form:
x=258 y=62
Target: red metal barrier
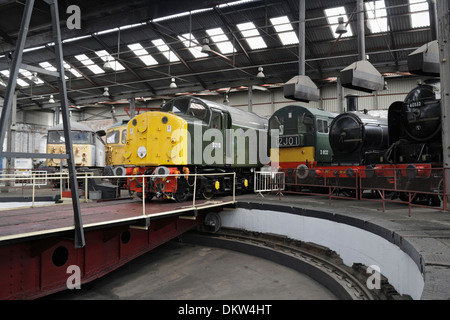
x=40 y=267
x=417 y=185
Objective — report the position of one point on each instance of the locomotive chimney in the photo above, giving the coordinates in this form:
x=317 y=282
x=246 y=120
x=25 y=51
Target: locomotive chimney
x=352 y=102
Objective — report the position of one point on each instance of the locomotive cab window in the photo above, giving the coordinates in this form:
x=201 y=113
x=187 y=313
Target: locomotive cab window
x=216 y=120
x=322 y=126
x=82 y=137
x=113 y=137
x=57 y=137
x=188 y=107
x=124 y=136
x=277 y=124
x=197 y=110
x=305 y=123
x=176 y=106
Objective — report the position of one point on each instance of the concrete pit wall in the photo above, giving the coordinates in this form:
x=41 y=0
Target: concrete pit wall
x=353 y=244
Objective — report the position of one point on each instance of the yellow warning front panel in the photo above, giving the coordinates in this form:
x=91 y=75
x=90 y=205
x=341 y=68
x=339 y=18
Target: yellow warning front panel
x=157 y=138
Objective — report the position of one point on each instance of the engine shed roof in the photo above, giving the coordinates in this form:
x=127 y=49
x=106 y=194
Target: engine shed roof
x=134 y=48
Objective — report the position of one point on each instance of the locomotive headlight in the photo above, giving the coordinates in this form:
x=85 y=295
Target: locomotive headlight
x=141 y=152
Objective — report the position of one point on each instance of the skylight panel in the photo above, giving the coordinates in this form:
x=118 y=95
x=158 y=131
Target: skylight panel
x=20 y=82
x=106 y=57
x=192 y=44
x=142 y=54
x=285 y=30
x=252 y=36
x=72 y=70
x=30 y=76
x=165 y=50
x=376 y=12
x=220 y=40
x=333 y=15
x=46 y=65
x=420 y=16
x=89 y=64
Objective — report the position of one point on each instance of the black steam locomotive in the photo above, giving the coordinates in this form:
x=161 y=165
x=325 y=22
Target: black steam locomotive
x=415 y=127
x=403 y=154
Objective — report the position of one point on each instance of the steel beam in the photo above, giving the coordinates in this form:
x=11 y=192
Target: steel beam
x=79 y=233
x=14 y=72
x=34 y=155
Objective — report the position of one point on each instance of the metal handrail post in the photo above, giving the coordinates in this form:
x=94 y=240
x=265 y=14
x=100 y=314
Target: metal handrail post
x=195 y=190
x=143 y=195
x=34 y=188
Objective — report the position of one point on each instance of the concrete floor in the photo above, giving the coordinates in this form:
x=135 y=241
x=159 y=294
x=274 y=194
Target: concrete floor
x=179 y=271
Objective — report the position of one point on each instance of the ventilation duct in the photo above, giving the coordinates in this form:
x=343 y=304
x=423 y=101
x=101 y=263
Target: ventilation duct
x=301 y=88
x=362 y=76
x=425 y=60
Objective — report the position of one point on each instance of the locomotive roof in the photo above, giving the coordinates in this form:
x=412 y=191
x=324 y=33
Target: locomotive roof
x=74 y=126
x=238 y=117
x=314 y=111
x=119 y=124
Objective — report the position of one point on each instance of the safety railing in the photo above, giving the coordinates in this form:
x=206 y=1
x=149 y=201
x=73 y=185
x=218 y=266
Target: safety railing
x=414 y=185
x=192 y=187
x=330 y=182
x=90 y=185
x=266 y=181
x=31 y=184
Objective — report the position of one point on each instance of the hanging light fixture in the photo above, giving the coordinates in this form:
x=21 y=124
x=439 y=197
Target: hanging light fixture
x=341 y=29
x=106 y=92
x=34 y=78
x=173 y=85
x=225 y=99
x=51 y=100
x=107 y=65
x=260 y=73
x=205 y=47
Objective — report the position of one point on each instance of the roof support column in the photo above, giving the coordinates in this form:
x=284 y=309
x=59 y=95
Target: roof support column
x=301 y=37
x=444 y=58
x=361 y=32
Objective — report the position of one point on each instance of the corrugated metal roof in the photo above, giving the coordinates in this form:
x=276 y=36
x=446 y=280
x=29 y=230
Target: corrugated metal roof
x=325 y=55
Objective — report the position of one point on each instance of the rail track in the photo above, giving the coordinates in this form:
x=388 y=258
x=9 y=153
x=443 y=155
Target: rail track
x=321 y=264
